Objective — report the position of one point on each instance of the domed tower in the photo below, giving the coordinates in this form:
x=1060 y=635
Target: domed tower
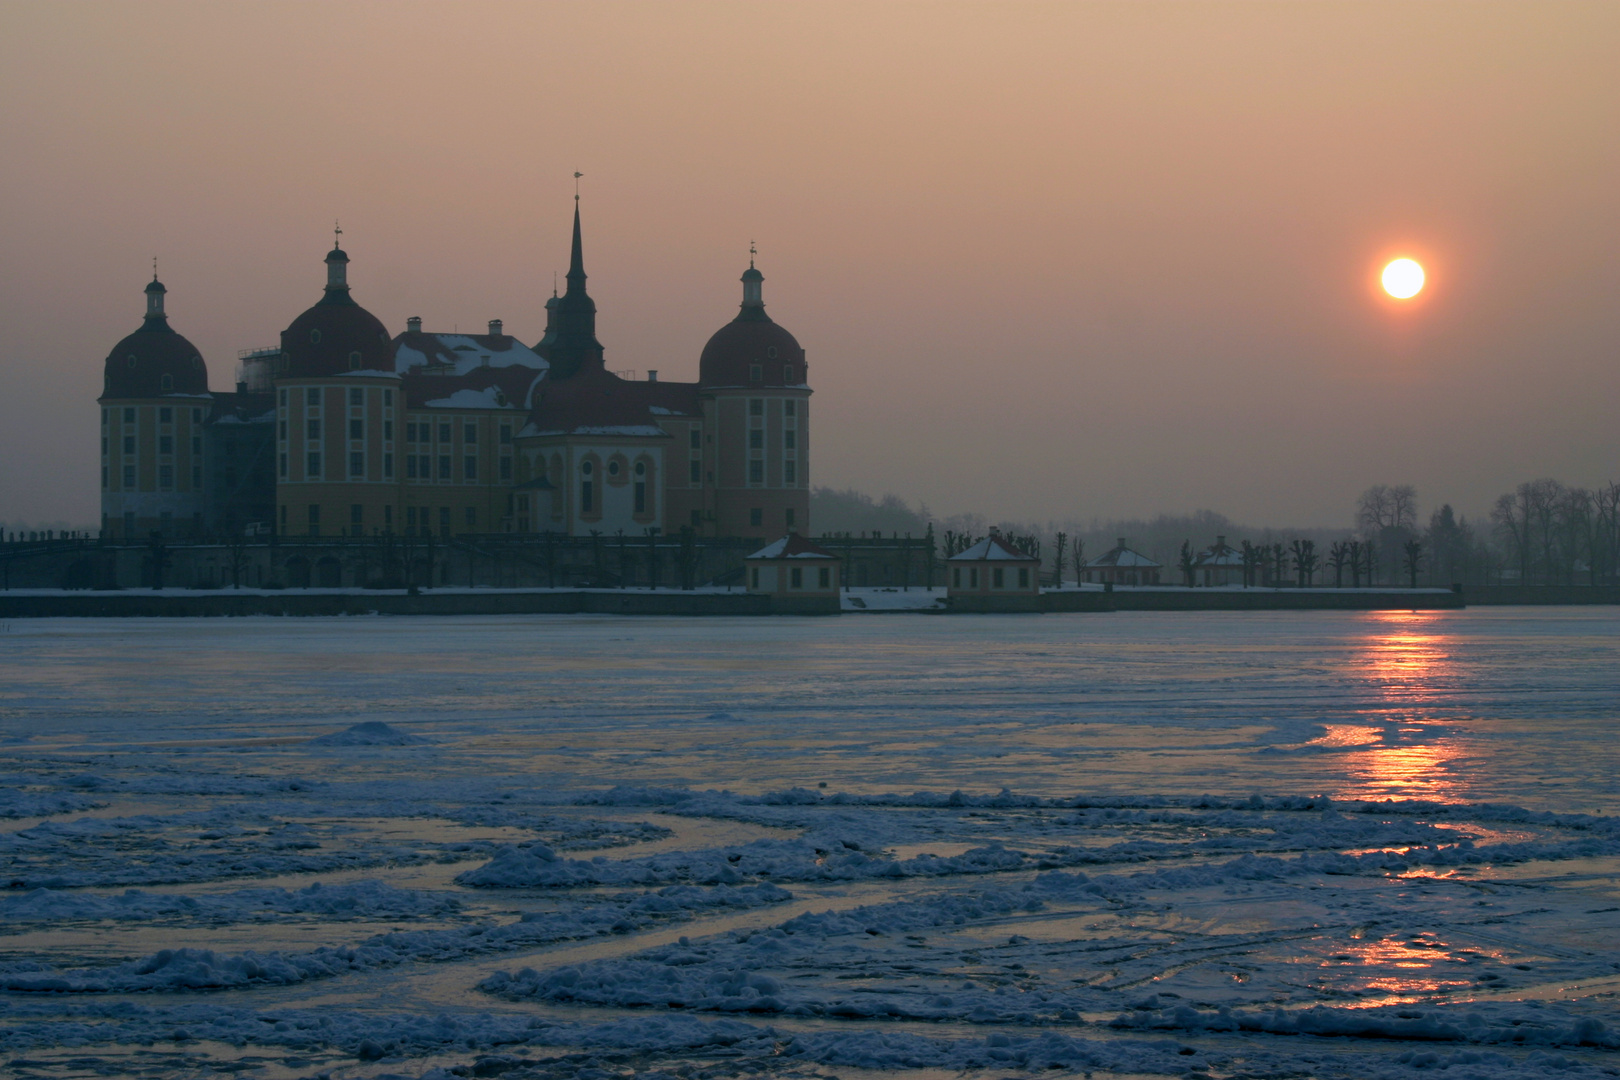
x=337 y=399
x=756 y=391
x=154 y=402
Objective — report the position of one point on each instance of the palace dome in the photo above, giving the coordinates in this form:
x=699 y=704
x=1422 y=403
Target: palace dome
x=752 y=341
x=154 y=361
x=337 y=335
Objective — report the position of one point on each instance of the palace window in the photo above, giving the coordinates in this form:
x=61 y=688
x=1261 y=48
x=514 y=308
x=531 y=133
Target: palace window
x=641 y=497
x=756 y=439
x=129 y=416
x=166 y=382
x=388 y=403
x=506 y=434
x=998 y=578
x=357 y=396
x=586 y=503
x=357 y=429
x=796 y=578
x=789 y=407
x=129 y=476
x=790 y=472
x=789 y=514
x=312 y=396
x=790 y=439
x=696 y=438
x=312 y=430
x=756 y=472
x=312 y=467
x=388 y=430
x=165 y=416
x=506 y=467
x=756 y=516
x=129 y=444
x=444 y=432
x=444 y=466
x=165 y=476
x=357 y=464
x=283 y=466
x=823 y=577
x=469 y=433
x=469 y=467
x=697 y=471
x=755 y=373
x=410 y=466
x=756 y=406
x=165 y=444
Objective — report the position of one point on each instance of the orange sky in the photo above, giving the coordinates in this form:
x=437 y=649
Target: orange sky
x=1047 y=260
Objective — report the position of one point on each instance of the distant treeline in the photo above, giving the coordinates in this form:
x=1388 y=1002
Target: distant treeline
x=1541 y=533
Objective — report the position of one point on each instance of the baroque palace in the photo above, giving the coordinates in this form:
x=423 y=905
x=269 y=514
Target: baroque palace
x=346 y=431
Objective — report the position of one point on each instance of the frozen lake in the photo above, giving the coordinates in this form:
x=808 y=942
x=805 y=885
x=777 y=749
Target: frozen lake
x=1121 y=844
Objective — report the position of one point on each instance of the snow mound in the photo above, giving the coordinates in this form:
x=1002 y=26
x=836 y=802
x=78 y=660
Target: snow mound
x=370 y=733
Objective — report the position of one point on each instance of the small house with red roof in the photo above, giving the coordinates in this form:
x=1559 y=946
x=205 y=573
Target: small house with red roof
x=1219 y=564
x=1120 y=565
x=793 y=566
x=799 y=576
x=993 y=575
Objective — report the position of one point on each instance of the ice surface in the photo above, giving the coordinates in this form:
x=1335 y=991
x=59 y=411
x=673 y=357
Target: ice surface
x=1333 y=845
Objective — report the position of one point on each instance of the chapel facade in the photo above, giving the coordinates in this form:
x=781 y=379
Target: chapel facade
x=344 y=430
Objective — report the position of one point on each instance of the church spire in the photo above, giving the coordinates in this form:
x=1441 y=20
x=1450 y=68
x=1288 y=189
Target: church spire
x=573 y=346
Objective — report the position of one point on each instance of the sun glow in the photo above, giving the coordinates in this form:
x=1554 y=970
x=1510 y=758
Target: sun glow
x=1403 y=279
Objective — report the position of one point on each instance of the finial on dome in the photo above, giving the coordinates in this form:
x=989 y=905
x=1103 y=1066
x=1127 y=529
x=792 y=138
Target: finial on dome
x=337 y=235
x=577 y=175
x=154 y=268
x=752 y=251
x=154 y=295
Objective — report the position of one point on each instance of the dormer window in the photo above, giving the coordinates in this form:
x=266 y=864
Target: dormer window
x=167 y=382
x=787 y=373
x=130 y=361
x=354 y=361
x=770 y=353
x=755 y=373
x=314 y=337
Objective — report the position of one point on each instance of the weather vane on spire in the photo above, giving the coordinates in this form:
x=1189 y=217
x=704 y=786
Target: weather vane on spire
x=752 y=251
x=154 y=268
x=337 y=234
x=577 y=175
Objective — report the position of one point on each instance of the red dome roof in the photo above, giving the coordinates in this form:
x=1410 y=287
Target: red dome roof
x=154 y=360
x=337 y=335
x=138 y=365
x=751 y=343
x=737 y=347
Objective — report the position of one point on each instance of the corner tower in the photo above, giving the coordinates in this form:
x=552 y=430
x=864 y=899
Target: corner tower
x=154 y=402
x=337 y=404
x=756 y=392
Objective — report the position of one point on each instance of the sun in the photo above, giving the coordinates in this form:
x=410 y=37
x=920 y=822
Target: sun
x=1403 y=279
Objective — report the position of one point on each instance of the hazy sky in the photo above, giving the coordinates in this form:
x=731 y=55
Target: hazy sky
x=1047 y=260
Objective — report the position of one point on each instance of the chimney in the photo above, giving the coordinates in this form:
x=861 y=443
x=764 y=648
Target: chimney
x=413 y=325
x=1122 y=543
x=1220 y=541
x=652 y=374
x=494 y=328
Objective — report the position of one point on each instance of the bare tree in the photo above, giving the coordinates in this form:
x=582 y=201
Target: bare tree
x=1338 y=556
x=1305 y=561
x=1251 y=559
x=1187 y=561
x=1079 y=546
x=1413 y=550
x=1062 y=549
x=1355 y=554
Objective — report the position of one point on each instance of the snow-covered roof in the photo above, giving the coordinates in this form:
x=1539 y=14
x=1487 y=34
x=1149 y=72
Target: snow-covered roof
x=463 y=351
x=993 y=549
x=1220 y=555
x=491 y=397
x=792 y=546
x=1120 y=555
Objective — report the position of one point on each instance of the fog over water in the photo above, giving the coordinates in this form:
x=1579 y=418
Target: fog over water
x=1050 y=261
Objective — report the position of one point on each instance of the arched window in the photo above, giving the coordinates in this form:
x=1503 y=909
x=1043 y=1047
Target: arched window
x=641 y=468
x=314 y=337
x=613 y=468
x=129 y=361
x=167 y=382
x=771 y=352
x=354 y=361
x=585 y=468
